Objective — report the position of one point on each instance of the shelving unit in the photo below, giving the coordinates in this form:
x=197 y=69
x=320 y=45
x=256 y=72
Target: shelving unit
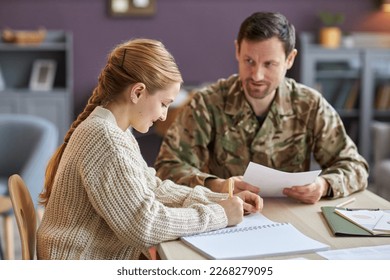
x=349 y=73
x=16 y=62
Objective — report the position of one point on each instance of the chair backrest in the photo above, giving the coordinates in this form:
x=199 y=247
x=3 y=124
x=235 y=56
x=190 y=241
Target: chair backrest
x=25 y=215
x=380 y=141
x=26 y=145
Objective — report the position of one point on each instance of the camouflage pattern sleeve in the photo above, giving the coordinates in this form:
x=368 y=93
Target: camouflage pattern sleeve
x=184 y=155
x=343 y=167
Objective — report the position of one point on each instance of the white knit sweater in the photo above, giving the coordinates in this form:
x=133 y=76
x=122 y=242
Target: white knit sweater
x=106 y=203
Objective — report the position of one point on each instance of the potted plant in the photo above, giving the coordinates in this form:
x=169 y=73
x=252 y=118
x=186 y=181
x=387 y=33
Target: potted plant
x=330 y=32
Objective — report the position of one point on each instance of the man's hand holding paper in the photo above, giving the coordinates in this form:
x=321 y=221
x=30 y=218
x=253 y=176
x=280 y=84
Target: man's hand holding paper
x=310 y=193
x=304 y=186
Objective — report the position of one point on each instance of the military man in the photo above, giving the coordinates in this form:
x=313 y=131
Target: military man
x=260 y=115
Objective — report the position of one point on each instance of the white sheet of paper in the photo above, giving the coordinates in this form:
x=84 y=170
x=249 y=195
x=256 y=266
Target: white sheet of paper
x=381 y=252
x=384 y=222
x=363 y=218
x=272 y=182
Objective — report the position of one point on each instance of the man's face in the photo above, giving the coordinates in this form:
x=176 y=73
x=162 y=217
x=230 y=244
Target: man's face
x=262 y=66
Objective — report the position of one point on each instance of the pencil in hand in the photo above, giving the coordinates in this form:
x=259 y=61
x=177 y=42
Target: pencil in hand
x=231 y=187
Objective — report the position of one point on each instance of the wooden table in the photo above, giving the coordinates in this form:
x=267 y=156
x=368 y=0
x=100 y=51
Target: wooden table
x=307 y=218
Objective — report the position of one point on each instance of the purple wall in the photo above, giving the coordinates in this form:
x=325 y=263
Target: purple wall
x=199 y=33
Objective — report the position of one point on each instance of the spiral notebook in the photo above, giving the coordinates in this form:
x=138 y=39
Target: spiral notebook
x=255 y=237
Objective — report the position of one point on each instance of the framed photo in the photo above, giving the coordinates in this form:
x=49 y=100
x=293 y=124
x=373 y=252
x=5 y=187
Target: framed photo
x=43 y=74
x=120 y=8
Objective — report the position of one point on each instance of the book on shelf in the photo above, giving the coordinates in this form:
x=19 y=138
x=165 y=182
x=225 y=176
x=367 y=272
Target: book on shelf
x=382 y=97
x=353 y=95
x=341 y=226
x=346 y=94
x=255 y=237
x=342 y=93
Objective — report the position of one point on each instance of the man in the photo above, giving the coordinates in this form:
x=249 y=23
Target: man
x=260 y=115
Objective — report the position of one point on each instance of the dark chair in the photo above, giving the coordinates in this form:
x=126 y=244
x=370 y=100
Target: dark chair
x=26 y=145
x=381 y=157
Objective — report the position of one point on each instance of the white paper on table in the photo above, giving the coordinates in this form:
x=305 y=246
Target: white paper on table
x=364 y=218
x=380 y=252
x=272 y=182
x=384 y=222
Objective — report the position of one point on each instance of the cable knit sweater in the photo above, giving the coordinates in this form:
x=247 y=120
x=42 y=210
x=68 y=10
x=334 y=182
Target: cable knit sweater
x=106 y=203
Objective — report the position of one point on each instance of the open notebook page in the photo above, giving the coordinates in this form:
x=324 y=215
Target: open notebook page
x=255 y=237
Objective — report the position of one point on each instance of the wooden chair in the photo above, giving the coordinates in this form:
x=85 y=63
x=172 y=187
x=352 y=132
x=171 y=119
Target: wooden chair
x=25 y=215
x=5 y=206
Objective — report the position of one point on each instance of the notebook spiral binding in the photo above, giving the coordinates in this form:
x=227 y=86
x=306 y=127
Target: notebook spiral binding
x=234 y=230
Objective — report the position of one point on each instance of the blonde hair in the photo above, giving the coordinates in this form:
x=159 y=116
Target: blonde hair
x=137 y=60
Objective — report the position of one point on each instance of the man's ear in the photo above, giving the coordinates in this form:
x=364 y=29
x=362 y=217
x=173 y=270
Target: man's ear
x=136 y=91
x=291 y=58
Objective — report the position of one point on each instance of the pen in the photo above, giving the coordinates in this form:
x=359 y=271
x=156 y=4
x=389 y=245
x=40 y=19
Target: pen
x=357 y=209
x=231 y=187
x=346 y=202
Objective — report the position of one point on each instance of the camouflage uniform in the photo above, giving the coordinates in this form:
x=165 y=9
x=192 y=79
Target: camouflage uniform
x=217 y=134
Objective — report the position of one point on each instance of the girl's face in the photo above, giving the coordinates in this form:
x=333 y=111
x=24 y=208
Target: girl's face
x=153 y=107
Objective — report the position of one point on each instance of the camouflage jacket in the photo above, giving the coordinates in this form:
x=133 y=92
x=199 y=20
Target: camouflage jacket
x=217 y=134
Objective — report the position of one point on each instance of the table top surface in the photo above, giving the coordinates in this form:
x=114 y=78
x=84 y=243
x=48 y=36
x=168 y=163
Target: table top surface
x=307 y=218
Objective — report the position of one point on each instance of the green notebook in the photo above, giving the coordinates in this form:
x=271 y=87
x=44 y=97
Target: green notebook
x=342 y=227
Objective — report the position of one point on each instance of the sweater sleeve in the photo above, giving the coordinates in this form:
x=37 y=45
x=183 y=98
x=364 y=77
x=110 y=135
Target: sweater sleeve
x=174 y=195
x=124 y=194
